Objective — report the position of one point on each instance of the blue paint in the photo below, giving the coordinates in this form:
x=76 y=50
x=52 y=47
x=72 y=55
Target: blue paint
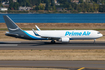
x=55 y=18
x=36 y=34
x=36 y=38
x=38 y=29
x=85 y=33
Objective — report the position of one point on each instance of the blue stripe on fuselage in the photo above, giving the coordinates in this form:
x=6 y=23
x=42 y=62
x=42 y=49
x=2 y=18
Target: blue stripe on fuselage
x=33 y=37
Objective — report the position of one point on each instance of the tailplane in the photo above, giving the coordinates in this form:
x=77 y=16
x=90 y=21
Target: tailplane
x=12 y=27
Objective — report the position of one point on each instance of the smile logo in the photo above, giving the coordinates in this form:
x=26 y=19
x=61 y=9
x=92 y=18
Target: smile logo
x=13 y=29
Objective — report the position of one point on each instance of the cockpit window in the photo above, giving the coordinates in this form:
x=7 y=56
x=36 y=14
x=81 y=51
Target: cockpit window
x=99 y=33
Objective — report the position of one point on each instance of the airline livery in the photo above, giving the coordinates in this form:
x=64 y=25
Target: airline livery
x=58 y=35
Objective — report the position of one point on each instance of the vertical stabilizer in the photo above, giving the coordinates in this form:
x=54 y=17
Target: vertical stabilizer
x=12 y=27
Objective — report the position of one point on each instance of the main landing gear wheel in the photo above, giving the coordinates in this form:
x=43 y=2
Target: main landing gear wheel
x=94 y=40
x=52 y=41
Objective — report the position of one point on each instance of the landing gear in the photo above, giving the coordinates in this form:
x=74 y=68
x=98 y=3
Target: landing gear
x=94 y=40
x=52 y=41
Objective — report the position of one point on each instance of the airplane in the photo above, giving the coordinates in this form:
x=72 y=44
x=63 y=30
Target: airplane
x=63 y=36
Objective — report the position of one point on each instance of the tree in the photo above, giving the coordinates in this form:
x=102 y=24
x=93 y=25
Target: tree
x=80 y=1
x=16 y=6
x=52 y=3
x=0 y=1
x=96 y=7
x=102 y=8
x=39 y=1
x=62 y=1
x=95 y=1
x=10 y=1
x=47 y=5
x=74 y=6
x=40 y=7
x=103 y=1
x=69 y=1
x=11 y=5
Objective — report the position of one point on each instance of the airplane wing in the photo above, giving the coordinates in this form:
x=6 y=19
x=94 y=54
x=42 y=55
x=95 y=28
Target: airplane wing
x=50 y=38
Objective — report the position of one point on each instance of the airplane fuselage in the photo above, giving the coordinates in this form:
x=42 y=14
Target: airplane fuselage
x=71 y=34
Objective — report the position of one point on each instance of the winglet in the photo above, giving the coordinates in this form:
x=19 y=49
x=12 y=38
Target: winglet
x=37 y=28
x=35 y=33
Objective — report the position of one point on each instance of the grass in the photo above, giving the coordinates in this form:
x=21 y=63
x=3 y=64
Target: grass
x=99 y=29
x=10 y=68
x=57 y=26
x=75 y=54
x=5 y=29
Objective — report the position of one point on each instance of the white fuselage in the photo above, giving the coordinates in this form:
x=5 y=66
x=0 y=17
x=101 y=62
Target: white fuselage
x=71 y=34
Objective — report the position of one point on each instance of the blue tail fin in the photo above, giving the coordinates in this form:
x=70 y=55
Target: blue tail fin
x=12 y=27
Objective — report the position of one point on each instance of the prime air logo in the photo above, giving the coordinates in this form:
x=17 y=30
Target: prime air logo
x=85 y=33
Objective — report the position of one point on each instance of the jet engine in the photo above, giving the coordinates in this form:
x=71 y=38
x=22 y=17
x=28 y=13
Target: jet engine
x=64 y=39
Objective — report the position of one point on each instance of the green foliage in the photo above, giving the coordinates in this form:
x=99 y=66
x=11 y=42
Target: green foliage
x=80 y=1
x=52 y=3
x=91 y=6
x=47 y=5
x=13 y=6
x=102 y=8
x=95 y=1
x=1 y=5
x=40 y=7
x=16 y=6
x=24 y=2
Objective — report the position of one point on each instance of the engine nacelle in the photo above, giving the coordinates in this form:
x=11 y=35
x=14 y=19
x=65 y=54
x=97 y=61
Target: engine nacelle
x=64 y=39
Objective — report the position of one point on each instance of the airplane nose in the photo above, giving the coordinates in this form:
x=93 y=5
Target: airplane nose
x=101 y=35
